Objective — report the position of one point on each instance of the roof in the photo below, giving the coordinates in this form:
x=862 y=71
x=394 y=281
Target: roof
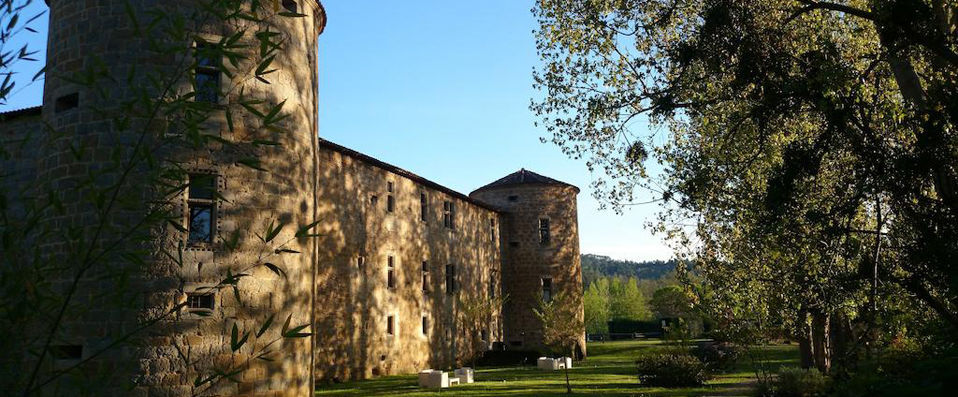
x=524 y=177
x=401 y=172
x=34 y=111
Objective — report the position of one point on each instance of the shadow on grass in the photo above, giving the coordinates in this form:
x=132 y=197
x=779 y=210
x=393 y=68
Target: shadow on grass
x=609 y=371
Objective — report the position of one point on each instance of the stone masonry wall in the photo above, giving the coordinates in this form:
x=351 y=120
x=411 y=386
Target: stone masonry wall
x=354 y=300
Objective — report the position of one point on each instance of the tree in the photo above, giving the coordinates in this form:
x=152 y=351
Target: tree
x=476 y=314
x=595 y=303
x=562 y=327
x=670 y=302
x=811 y=158
x=626 y=302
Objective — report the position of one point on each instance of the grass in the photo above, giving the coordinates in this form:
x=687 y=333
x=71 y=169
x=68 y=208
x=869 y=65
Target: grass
x=609 y=371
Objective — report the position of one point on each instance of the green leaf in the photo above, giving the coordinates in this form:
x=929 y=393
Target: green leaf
x=304 y=231
x=276 y=269
x=265 y=327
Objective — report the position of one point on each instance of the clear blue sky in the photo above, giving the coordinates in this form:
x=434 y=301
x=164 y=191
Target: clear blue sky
x=442 y=89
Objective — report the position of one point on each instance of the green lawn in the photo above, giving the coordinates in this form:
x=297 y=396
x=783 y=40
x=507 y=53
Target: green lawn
x=608 y=371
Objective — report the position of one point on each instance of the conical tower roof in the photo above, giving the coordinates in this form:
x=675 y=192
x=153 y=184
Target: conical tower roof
x=524 y=177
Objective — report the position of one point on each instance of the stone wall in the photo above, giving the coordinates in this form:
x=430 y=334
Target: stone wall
x=526 y=262
x=354 y=300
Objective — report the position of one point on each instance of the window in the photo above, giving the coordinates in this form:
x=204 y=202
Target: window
x=425 y=325
x=513 y=198
x=448 y=214
x=450 y=279
x=202 y=188
x=423 y=206
x=425 y=276
x=391 y=273
x=514 y=244
x=391 y=325
x=207 y=74
x=544 y=233
x=492 y=284
x=484 y=335
x=199 y=302
x=361 y=262
x=374 y=199
x=290 y=6
x=492 y=228
x=547 y=289
x=66 y=352
x=66 y=102
x=390 y=200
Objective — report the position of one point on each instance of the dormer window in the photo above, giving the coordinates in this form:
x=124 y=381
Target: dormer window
x=291 y=6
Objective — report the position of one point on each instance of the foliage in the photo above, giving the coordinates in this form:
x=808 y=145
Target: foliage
x=54 y=272
x=671 y=302
x=562 y=328
x=595 y=267
x=809 y=149
x=797 y=382
x=476 y=313
x=626 y=302
x=17 y=29
x=671 y=370
x=717 y=355
x=595 y=303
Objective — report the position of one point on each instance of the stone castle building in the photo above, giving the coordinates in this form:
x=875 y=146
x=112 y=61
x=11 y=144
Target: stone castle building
x=382 y=283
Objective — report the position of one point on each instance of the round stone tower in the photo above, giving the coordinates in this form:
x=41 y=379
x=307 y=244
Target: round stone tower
x=244 y=174
x=539 y=235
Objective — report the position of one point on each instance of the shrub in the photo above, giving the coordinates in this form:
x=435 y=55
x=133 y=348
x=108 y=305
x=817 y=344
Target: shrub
x=671 y=370
x=719 y=355
x=798 y=382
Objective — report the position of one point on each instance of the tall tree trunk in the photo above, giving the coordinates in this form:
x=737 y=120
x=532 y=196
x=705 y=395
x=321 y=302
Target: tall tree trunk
x=821 y=341
x=805 y=341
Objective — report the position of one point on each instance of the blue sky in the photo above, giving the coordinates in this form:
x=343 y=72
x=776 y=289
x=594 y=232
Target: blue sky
x=442 y=89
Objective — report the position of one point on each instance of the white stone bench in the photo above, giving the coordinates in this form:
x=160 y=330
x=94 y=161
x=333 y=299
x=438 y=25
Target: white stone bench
x=548 y=364
x=466 y=374
x=454 y=381
x=433 y=379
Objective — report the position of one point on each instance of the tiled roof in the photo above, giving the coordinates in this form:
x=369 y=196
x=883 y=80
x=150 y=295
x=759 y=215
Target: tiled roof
x=401 y=172
x=34 y=111
x=524 y=177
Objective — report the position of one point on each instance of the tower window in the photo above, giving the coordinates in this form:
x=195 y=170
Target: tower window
x=390 y=199
x=547 y=289
x=207 y=74
x=450 y=279
x=391 y=273
x=199 y=302
x=448 y=214
x=492 y=228
x=545 y=235
x=513 y=198
x=290 y=6
x=425 y=325
x=514 y=244
x=423 y=206
x=374 y=199
x=66 y=102
x=202 y=190
x=391 y=325
x=361 y=261
x=484 y=335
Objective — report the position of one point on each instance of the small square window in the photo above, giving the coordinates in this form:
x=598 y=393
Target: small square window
x=514 y=244
x=374 y=199
x=291 y=6
x=66 y=102
x=361 y=261
x=513 y=198
x=199 y=302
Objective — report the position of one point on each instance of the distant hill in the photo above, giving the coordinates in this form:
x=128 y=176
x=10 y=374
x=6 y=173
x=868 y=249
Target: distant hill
x=595 y=266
